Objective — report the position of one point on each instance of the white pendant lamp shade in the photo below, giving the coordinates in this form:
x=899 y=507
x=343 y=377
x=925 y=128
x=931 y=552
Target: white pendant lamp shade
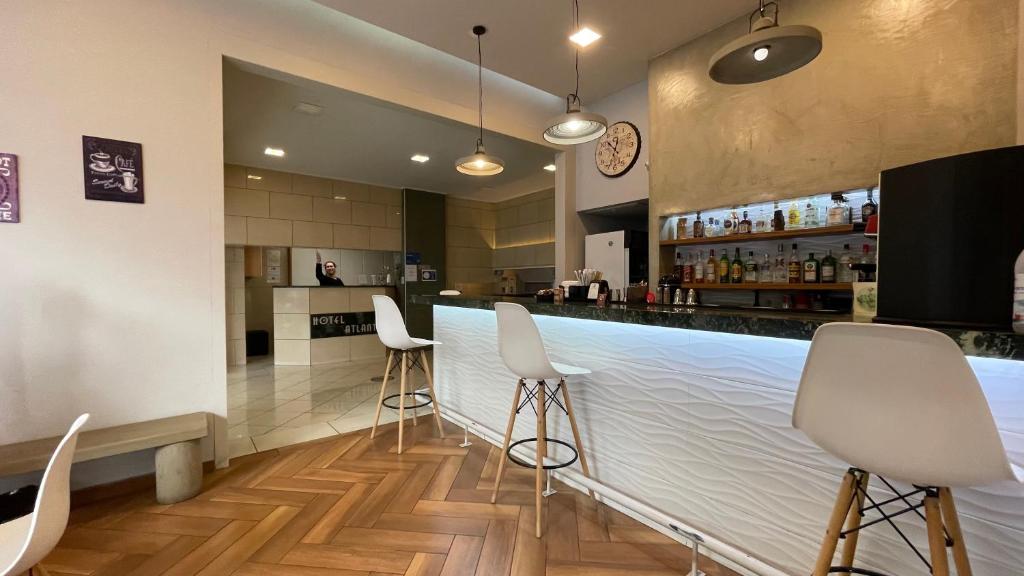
x=575 y=126
x=767 y=52
x=480 y=163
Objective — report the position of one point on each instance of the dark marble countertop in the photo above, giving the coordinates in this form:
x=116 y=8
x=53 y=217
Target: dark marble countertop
x=773 y=323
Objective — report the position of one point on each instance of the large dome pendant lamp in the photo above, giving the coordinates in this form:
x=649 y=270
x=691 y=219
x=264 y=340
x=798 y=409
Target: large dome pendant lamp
x=480 y=163
x=575 y=126
x=767 y=51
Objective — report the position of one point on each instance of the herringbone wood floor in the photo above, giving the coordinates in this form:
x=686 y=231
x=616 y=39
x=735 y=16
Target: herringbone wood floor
x=350 y=506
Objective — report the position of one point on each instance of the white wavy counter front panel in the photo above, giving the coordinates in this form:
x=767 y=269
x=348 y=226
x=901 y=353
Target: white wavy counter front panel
x=697 y=424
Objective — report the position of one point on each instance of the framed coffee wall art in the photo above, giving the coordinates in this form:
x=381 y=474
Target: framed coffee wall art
x=113 y=170
x=9 y=205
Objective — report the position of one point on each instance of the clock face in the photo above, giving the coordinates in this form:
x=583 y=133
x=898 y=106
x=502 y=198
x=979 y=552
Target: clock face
x=617 y=149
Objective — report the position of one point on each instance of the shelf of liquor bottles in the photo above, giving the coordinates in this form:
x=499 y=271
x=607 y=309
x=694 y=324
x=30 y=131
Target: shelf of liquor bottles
x=774 y=235
x=773 y=286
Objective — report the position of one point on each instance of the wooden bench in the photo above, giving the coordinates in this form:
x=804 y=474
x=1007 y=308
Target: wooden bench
x=179 y=461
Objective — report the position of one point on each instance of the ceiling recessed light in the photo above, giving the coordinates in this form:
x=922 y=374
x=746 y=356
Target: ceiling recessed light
x=550 y=167
x=584 y=37
x=254 y=177
x=274 y=152
x=420 y=158
x=341 y=197
x=308 y=109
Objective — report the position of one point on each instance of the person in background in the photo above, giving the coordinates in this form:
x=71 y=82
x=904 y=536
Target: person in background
x=326 y=272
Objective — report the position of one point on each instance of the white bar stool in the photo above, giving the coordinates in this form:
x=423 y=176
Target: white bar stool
x=523 y=352
x=922 y=420
x=393 y=334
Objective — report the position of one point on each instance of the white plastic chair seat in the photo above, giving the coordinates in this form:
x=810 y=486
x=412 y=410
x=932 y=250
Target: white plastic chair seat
x=12 y=537
x=391 y=327
x=568 y=369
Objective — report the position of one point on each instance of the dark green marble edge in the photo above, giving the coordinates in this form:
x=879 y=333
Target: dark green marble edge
x=773 y=324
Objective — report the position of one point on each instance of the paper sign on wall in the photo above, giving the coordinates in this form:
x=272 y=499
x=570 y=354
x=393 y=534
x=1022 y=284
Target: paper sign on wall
x=411 y=273
x=9 y=206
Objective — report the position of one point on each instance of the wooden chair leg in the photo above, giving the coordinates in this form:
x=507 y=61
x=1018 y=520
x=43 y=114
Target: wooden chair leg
x=835 y=525
x=383 y=387
x=853 y=521
x=401 y=401
x=575 y=432
x=433 y=396
x=541 y=453
x=952 y=521
x=508 y=440
x=936 y=536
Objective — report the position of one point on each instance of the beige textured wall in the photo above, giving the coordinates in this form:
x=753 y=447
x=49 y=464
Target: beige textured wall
x=470 y=245
x=284 y=209
x=234 y=287
x=525 y=231
x=896 y=82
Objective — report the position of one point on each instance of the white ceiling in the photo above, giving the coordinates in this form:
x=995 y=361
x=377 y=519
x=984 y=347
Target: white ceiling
x=527 y=40
x=363 y=139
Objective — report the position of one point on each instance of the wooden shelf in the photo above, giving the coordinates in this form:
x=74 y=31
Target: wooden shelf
x=754 y=237
x=847 y=287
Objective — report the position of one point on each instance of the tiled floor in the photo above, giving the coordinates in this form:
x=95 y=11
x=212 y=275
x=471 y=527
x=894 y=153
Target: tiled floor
x=273 y=406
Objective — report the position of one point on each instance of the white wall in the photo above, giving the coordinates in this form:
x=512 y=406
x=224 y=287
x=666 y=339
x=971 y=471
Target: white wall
x=119 y=309
x=595 y=190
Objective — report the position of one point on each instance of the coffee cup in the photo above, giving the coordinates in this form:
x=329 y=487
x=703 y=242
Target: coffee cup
x=100 y=159
x=130 y=180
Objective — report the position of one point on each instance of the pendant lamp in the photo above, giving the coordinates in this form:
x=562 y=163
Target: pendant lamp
x=480 y=163
x=767 y=51
x=575 y=126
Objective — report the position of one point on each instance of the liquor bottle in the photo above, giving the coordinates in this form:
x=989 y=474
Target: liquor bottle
x=727 y=226
x=678 y=269
x=736 y=269
x=778 y=220
x=780 y=275
x=723 y=268
x=812 y=270
x=810 y=215
x=745 y=227
x=844 y=274
x=828 y=269
x=839 y=213
x=764 y=271
x=869 y=207
x=866 y=258
x=711 y=269
x=687 y=277
x=750 y=268
x=1018 y=294
x=698 y=268
x=763 y=222
x=793 y=216
x=698 y=227
x=712 y=228
x=793 y=268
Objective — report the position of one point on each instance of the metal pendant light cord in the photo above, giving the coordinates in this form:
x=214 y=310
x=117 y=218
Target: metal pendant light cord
x=480 y=85
x=576 y=26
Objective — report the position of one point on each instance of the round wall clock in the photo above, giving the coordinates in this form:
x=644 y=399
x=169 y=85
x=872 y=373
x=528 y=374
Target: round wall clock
x=618 y=149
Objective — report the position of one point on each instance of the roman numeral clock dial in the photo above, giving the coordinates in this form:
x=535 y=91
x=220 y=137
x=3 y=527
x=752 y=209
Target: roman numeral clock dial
x=618 y=149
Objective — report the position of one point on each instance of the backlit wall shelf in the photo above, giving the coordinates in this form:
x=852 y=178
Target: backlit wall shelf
x=780 y=287
x=754 y=237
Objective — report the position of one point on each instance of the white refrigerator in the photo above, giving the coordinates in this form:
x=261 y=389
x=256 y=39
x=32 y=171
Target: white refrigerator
x=609 y=253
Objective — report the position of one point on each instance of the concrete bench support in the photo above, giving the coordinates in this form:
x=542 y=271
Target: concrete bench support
x=179 y=472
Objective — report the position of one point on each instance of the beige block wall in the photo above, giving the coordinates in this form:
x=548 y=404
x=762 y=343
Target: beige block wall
x=469 y=227
x=525 y=231
x=234 y=283
x=282 y=209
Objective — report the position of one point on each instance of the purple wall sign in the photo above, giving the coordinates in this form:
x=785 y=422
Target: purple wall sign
x=9 y=207
x=113 y=170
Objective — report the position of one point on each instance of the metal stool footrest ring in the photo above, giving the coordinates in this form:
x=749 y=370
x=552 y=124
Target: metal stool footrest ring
x=511 y=446
x=408 y=407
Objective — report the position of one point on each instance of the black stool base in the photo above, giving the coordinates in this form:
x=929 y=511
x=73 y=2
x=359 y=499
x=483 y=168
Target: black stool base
x=575 y=454
x=852 y=570
x=413 y=394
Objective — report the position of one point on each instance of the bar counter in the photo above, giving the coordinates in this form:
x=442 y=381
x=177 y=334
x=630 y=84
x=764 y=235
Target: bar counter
x=797 y=325
x=689 y=410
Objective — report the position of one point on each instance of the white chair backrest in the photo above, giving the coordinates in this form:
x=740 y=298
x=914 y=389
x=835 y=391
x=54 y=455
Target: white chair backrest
x=520 y=344
x=390 y=325
x=53 y=504
x=901 y=402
